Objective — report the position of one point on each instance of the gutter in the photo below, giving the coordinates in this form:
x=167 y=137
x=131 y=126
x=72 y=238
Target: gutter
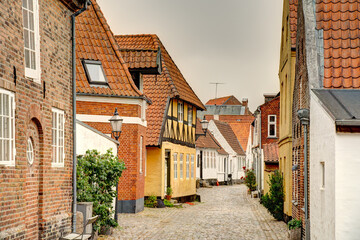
x=87 y=2
x=260 y=165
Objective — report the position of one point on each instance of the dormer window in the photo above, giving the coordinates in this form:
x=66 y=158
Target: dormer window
x=138 y=80
x=94 y=72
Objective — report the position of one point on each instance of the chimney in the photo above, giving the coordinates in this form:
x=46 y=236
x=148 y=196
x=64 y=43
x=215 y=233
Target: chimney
x=245 y=102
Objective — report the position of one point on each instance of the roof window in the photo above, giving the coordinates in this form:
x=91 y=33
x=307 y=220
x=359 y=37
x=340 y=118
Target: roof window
x=94 y=72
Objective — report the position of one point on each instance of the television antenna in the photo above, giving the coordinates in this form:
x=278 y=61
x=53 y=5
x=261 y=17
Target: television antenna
x=216 y=86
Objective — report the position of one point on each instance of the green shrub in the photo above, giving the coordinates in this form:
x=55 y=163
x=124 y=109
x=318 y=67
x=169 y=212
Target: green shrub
x=250 y=179
x=151 y=202
x=169 y=191
x=168 y=203
x=274 y=200
x=97 y=177
x=294 y=223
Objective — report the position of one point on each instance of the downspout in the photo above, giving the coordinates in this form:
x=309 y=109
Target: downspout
x=307 y=225
x=74 y=106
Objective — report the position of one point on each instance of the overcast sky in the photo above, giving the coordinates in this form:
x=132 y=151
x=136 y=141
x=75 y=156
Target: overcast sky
x=236 y=42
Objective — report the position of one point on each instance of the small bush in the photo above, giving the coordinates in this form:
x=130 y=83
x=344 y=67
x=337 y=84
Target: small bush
x=250 y=179
x=294 y=223
x=151 y=202
x=274 y=200
x=169 y=191
x=168 y=203
x=97 y=177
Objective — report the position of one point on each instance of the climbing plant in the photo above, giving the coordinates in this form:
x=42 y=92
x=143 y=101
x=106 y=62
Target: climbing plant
x=97 y=177
x=250 y=179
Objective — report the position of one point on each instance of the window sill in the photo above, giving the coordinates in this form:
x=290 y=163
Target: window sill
x=7 y=164
x=272 y=137
x=295 y=203
x=57 y=165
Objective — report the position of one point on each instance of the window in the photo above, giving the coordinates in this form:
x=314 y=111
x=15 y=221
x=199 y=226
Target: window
x=181 y=165
x=94 y=72
x=198 y=161
x=272 y=126
x=322 y=165
x=7 y=128
x=207 y=160
x=180 y=111
x=190 y=115
x=138 y=80
x=31 y=38
x=175 y=166
x=141 y=154
x=192 y=166
x=30 y=151
x=187 y=166
x=57 y=138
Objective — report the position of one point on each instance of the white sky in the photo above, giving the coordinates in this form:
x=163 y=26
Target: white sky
x=236 y=42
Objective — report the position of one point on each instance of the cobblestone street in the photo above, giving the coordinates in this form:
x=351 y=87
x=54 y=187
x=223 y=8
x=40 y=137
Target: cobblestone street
x=226 y=212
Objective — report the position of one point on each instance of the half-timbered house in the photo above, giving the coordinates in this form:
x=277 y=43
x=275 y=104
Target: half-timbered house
x=170 y=137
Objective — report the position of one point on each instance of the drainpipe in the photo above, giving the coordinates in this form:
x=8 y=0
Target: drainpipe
x=88 y=2
x=304 y=116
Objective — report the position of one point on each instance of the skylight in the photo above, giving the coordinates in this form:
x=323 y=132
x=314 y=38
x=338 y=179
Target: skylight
x=94 y=72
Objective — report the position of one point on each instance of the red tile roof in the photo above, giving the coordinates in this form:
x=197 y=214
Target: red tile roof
x=229 y=136
x=160 y=88
x=340 y=22
x=240 y=125
x=95 y=41
x=271 y=152
x=207 y=141
x=293 y=5
x=229 y=100
x=141 y=51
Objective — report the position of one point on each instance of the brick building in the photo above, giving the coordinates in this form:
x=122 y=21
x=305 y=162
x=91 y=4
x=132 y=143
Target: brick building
x=104 y=83
x=327 y=83
x=36 y=120
x=266 y=131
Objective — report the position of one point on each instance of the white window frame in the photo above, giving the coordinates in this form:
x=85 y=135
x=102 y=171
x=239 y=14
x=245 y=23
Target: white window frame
x=187 y=166
x=58 y=162
x=175 y=166
x=29 y=72
x=270 y=123
x=180 y=108
x=141 y=154
x=192 y=166
x=30 y=151
x=11 y=124
x=190 y=113
x=181 y=165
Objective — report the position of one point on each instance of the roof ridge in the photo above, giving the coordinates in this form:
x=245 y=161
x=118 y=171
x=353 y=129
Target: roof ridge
x=114 y=44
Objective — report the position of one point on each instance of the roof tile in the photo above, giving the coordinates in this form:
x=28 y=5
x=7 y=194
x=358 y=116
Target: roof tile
x=229 y=136
x=271 y=152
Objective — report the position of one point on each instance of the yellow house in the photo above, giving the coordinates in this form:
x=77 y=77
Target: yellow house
x=171 y=118
x=287 y=79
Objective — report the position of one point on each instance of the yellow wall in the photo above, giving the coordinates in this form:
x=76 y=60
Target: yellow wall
x=155 y=171
x=287 y=79
x=178 y=137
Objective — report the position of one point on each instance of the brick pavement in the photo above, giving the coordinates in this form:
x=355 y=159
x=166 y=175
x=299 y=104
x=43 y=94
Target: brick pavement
x=226 y=212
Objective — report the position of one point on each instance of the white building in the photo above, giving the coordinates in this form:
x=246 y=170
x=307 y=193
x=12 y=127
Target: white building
x=335 y=164
x=226 y=137
x=211 y=157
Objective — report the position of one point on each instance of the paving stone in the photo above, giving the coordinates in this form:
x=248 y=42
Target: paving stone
x=227 y=212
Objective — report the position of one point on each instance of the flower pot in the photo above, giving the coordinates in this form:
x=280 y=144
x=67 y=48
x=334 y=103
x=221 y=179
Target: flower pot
x=168 y=197
x=295 y=234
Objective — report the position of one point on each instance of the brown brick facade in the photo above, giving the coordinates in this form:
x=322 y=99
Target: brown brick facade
x=36 y=200
x=131 y=183
x=301 y=99
x=270 y=108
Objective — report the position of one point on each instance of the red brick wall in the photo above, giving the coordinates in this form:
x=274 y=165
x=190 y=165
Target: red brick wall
x=95 y=108
x=131 y=183
x=300 y=100
x=270 y=108
x=36 y=200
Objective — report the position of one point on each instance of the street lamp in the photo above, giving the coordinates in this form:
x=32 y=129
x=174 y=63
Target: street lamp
x=304 y=117
x=116 y=124
x=204 y=126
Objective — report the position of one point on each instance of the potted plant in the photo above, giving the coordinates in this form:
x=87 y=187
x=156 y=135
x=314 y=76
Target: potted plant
x=294 y=226
x=169 y=192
